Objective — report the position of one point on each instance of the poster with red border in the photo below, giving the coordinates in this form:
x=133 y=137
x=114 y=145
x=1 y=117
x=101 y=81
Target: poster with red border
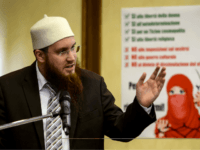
x=170 y=37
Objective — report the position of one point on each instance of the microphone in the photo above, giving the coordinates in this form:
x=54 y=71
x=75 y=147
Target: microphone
x=65 y=100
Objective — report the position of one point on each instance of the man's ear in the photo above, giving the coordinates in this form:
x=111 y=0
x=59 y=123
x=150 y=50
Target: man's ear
x=40 y=55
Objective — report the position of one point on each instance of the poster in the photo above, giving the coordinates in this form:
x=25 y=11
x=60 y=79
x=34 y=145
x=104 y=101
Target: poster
x=165 y=36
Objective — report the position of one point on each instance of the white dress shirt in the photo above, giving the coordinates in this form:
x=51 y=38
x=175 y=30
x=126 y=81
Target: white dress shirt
x=148 y=110
x=44 y=97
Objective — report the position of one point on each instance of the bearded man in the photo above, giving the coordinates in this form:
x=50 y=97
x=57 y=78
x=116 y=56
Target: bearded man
x=36 y=89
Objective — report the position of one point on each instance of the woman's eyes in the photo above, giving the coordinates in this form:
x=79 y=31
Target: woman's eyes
x=171 y=92
x=180 y=92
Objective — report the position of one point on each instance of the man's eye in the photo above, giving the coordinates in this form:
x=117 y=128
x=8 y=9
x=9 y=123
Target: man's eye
x=72 y=49
x=63 y=51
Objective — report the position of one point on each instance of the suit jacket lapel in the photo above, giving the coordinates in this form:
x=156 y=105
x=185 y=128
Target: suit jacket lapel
x=30 y=86
x=74 y=114
x=74 y=117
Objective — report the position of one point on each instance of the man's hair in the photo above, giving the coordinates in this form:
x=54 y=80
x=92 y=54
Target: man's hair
x=45 y=50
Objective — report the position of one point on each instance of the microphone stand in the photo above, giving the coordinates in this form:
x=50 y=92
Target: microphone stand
x=64 y=100
x=25 y=121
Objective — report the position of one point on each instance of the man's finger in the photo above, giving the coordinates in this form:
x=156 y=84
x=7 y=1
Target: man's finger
x=161 y=77
x=160 y=84
x=154 y=74
x=162 y=74
x=142 y=78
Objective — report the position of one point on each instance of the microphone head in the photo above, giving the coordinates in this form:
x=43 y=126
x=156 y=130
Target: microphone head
x=65 y=101
x=64 y=96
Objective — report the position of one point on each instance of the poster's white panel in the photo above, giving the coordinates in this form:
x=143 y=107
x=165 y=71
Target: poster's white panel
x=168 y=36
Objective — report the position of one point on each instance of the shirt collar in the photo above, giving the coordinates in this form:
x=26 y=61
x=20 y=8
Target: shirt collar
x=41 y=80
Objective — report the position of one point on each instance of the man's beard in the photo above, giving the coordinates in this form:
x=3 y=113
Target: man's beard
x=72 y=82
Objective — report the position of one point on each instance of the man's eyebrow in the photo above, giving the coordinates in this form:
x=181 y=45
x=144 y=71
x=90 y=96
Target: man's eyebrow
x=65 y=47
x=74 y=44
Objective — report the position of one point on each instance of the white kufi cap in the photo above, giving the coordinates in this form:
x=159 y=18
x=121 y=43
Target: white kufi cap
x=49 y=30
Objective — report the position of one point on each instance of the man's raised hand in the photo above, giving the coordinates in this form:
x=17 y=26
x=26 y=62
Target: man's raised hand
x=147 y=92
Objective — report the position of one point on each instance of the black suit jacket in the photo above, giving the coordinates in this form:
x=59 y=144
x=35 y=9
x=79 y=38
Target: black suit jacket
x=97 y=116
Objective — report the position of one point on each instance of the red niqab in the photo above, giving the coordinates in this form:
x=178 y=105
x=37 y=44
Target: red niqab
x=181 y=114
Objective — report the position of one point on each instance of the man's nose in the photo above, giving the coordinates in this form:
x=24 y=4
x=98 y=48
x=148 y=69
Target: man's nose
x=71 y=56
